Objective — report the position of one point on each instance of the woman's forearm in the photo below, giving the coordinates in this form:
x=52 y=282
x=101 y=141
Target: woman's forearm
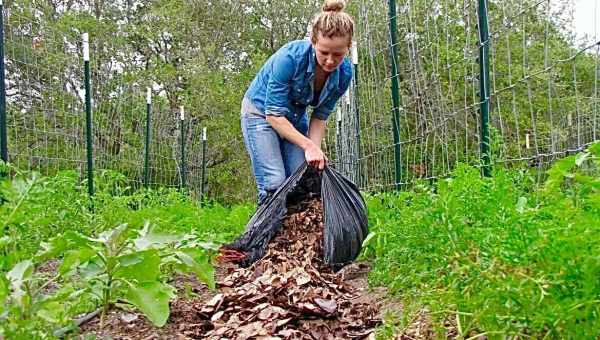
x=313 y=154
x=287 y=131
x=316 y=130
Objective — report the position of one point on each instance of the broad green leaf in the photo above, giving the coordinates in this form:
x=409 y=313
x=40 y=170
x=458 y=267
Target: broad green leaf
x=193 y=241
x=66 y=293
x=74 y=258
x=581 y=157
x=76 y=239
x=20 y=272
x=152 y=298
x=4 y=241
x=198 y=262
x=170 y=259
x=521 y=204
x=111 y=236
x=595 y=149
x=91 y=269
x=56 y=246
x=142 y=266
x=208 y=245
x=149 y=238
x=52 y=311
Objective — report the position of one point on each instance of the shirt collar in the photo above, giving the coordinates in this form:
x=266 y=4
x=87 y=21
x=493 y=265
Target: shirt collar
x=312 y=60
x=312 y=64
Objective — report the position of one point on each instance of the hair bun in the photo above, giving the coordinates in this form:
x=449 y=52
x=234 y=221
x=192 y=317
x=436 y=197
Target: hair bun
x=334 y=5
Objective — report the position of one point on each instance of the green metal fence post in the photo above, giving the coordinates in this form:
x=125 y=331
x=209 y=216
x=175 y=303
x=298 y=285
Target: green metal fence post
x=147 y=151
x=182 y=133
x=484 y=86
x=203 y=178
x=3 y=128
x=88 y=114
x=396 y=99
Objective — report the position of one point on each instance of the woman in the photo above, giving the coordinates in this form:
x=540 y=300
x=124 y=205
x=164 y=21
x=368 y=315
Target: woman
x=302 y=73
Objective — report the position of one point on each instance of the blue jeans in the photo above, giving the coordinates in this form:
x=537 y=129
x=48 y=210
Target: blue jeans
x=274 y=159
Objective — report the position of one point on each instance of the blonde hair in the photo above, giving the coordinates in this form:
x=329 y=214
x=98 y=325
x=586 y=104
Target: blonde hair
x=332 y=22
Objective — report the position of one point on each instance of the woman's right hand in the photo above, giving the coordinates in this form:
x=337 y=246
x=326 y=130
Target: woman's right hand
x=315 y=156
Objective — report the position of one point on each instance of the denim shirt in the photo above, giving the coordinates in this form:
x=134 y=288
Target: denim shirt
x=284 y=85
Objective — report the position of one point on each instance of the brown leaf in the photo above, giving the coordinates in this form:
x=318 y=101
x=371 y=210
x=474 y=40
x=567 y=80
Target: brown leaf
x=283 y=322
x=278 y=280
x=216 y=300
x=288 y=333
x=330 y=306
x=251 y=329
x=265 y=313
x=287 y=288
x=217 y=316
x=302 y=278
x=308 y=307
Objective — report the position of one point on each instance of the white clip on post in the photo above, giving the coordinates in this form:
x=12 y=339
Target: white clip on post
x=86 y=46
x=204 y=134
x=527 y=141
x=339 y=114
x=347 y=96
x=148 y=96
x=181 y=113
x=354 y=53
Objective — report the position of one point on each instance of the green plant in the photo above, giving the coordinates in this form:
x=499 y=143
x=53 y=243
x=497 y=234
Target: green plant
x=499 y=256
x=14 y=194
x=27 y=305
x=123 y=265
x=45 y=218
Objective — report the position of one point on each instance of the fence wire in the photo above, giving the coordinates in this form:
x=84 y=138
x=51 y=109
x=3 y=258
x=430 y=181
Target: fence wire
x=544 y=89
x=543 y=96
x=46 y=106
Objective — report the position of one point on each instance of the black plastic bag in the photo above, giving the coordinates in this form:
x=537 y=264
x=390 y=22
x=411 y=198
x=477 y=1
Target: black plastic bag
x=344 y=209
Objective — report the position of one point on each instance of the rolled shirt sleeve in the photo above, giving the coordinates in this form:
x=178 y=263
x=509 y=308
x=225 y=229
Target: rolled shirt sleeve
x=279 y=85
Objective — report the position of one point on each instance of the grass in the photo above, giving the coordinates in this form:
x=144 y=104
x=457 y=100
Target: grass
x=34 y=209
x=499 y=256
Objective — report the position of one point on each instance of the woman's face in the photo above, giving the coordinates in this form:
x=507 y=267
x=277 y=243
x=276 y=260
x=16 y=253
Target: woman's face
x=330 y=51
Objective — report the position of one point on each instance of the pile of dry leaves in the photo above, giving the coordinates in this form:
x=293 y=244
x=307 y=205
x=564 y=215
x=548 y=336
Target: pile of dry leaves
x=288 y=294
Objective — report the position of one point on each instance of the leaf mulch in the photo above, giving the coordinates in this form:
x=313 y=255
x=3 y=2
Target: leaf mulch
x=288 y=294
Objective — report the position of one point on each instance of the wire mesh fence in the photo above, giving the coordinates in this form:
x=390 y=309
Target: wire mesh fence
x=45 y=94
x=542 y=92
x=414 y=109
x=44 y=100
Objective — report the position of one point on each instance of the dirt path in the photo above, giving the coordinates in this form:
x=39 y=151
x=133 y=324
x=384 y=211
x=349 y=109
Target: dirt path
x=288 y=294
x=184 y=310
